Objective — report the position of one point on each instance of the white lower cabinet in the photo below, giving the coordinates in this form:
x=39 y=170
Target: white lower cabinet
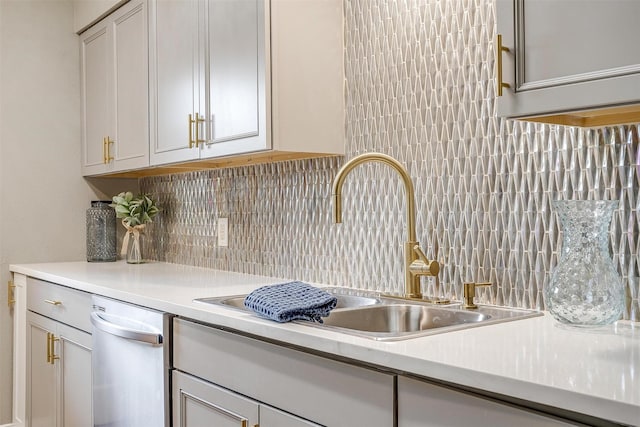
x=278 y=386
x=423 y=404
x=58 y=374
x=58 y=356
x=197 y=403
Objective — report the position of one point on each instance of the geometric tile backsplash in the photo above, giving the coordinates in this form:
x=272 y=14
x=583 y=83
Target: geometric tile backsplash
x=420 y=87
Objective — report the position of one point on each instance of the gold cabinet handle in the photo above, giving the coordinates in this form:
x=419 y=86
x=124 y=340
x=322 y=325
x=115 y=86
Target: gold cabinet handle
x=106 y=156
x=51 y=356
x=50 y=337
x=11 y=299
x=197 y=122
x=499 y=50
x=48 y=347
x=191 y=123
x=53 y=302
x=53 y=352
x=109 y=156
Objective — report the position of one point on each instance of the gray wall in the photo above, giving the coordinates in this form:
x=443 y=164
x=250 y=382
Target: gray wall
x=420 y=87
x=43 y=196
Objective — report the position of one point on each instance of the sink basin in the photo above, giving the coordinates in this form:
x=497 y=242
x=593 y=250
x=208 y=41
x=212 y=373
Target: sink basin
x=401 y=318
x=392 y=321
x=385 y=319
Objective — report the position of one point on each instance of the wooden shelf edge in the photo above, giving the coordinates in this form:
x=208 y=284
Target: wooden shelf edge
x=217 y=163
x=628 y=114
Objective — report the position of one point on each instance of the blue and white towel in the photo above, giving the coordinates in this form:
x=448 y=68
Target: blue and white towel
x=291 y=301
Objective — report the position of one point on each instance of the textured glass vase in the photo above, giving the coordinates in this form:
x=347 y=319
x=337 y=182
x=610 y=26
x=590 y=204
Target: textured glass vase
x=101 y=232
x=584 y=288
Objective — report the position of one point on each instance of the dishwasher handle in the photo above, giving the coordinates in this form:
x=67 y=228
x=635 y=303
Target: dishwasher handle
x=105 y=325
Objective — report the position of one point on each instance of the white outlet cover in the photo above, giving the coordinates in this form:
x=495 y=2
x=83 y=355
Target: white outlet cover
x=223 y=232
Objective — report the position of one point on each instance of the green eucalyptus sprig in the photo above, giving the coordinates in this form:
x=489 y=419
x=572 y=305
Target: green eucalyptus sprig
x=134 y=210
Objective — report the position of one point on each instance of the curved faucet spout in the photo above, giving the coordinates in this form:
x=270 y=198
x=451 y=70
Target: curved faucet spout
x=387 y=160
x=416 y=263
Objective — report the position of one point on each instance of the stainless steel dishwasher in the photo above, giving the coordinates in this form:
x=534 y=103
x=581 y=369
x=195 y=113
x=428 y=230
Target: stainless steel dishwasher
x=130 y=364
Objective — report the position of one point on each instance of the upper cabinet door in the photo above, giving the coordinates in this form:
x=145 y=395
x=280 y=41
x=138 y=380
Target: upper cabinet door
x=208 y=79
x=236 y=91
x=565 y=55
x=94 y=51
x=177 y=79
x=131 y=87
x=115 y=93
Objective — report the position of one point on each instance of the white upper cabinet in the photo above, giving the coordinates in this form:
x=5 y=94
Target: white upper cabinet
x=576 y=62
x=95 y=98
x=176 y=78
x=236 y=70
x=115 y=100
x=223 y=72
x=207 y=72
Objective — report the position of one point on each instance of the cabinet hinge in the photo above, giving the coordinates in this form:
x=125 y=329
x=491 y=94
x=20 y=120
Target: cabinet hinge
x=10 y=294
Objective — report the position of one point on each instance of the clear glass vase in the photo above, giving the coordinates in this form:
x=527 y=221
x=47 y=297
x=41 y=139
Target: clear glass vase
x=584 y=288
x=134 y=248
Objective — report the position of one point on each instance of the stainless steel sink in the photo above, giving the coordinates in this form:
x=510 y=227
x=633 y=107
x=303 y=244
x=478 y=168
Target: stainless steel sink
x=401 y=318
x=385 y=319
x=392 y=322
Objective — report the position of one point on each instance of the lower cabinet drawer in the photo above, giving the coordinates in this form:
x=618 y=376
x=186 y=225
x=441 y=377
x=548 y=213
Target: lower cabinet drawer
x=200 y=403
x=422 y=404
x=66 y=305
x=325 y=391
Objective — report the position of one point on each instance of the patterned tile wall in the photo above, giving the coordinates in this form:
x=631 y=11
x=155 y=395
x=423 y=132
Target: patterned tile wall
x=420 y=87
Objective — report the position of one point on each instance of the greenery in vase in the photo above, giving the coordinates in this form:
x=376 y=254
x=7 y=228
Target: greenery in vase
x=134 y=210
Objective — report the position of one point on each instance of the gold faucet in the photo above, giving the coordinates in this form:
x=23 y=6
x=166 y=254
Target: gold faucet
x=416 y=263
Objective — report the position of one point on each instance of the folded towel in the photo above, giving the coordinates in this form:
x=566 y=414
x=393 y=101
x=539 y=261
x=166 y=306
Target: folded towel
x=291 y=301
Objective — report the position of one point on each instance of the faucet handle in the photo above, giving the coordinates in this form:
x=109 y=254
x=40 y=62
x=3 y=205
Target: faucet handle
x=427 y=267
x=469 y=292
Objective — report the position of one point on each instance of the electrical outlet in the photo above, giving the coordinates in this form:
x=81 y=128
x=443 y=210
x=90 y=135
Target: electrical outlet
x=223 y=232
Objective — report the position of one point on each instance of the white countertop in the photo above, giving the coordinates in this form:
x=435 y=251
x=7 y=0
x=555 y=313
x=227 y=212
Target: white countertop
x=590 y=371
